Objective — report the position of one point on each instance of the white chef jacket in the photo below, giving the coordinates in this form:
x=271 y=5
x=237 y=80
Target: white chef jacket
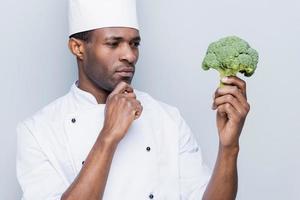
x=158 y=158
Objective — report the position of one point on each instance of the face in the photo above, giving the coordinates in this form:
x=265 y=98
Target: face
x=110 y=56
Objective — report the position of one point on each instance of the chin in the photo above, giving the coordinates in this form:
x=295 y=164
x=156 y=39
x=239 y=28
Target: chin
x=127 y=80
x=123 y=79
x=111 y=87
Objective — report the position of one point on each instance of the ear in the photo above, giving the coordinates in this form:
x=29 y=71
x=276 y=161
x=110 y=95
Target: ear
x=76 y=46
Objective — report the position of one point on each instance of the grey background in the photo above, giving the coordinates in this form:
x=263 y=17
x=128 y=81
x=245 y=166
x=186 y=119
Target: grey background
x=37 y=68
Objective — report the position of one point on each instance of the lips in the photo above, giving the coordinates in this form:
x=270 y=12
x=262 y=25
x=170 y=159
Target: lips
x=125 y=71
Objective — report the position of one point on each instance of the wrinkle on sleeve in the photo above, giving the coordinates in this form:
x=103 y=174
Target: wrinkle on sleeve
x=37 y=177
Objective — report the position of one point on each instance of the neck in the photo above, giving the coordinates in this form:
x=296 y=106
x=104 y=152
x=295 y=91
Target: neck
x=87 y=85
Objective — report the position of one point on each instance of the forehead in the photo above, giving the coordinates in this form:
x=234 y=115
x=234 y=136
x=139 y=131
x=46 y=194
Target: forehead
x=116 y=32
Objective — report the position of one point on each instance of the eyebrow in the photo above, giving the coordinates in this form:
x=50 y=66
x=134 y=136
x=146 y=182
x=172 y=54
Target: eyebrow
x=116 y=38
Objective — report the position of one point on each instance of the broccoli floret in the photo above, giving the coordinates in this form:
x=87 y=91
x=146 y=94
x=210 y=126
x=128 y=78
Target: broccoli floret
x=231 y=55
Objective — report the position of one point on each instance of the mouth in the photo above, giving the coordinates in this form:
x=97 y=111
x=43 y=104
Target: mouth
x=125 y=72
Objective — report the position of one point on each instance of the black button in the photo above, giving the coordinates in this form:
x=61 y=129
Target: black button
x=151 y=196
x=73 y=120
x=82 y=162
x=148 y=148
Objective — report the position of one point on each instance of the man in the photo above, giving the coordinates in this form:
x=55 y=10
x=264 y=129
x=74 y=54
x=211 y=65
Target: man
x=106 y=140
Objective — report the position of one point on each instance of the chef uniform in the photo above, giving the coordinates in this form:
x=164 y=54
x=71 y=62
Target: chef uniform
x=158 y=158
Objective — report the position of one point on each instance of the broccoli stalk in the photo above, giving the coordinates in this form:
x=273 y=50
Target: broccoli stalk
x=229 y=56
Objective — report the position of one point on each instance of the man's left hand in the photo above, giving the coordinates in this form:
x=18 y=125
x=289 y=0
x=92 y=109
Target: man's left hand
x=232 y=107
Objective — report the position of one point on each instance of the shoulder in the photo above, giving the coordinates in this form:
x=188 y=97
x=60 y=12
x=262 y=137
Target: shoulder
x=54 y=111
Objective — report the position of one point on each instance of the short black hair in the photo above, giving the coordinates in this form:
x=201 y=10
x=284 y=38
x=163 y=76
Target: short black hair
x=85 y=36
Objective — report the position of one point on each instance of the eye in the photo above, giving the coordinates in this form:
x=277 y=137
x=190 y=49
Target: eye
x=136 y=44
x=112 y=44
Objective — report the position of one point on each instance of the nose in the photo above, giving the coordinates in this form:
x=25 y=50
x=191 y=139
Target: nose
x=129 y=54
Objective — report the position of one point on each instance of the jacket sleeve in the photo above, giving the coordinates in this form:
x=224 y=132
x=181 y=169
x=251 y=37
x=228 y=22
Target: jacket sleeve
x=38 y=179
x=193 y=172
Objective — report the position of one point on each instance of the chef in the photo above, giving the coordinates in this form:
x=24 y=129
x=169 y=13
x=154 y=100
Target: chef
x=106 y=140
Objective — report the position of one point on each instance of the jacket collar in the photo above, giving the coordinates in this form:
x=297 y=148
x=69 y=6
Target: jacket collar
x=82 y=97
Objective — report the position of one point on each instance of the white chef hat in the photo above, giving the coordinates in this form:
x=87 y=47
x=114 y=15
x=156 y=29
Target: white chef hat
x=85 y=15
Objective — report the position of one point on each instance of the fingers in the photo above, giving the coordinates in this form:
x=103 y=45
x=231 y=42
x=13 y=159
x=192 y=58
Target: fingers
x=232 y=98
x=233 y=91
x=229 y=99
x=138 y=111
x=121 y=88
x=125 y=92
x=229 y=110
x=235 y=81
x=135 y=106
x=130 y=95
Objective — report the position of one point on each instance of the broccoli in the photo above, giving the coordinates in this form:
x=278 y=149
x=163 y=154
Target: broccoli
x=230 y=55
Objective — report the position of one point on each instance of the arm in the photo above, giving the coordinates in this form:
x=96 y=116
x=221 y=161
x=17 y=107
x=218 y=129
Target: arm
x=224 y=180
x=232 y=108
x=121 y=109
x=90 y=182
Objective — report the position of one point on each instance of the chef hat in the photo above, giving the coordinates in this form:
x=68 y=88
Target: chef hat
x=85 y=15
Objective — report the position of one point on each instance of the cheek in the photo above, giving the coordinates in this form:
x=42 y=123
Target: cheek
x=101 y=66
x=105 y=58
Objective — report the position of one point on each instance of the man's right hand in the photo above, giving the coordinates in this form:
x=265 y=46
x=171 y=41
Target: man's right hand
x=122 y=108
